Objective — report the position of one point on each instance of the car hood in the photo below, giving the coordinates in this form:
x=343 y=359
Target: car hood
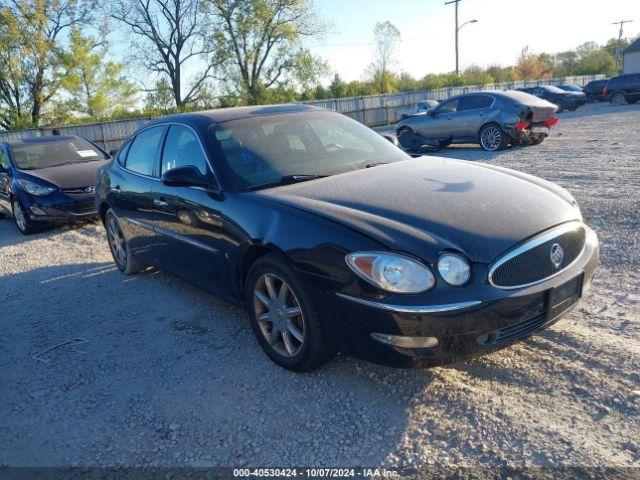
x=74 y=175
x=428 y=204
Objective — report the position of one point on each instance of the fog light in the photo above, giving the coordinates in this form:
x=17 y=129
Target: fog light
x=406 y=342
x=37 y=211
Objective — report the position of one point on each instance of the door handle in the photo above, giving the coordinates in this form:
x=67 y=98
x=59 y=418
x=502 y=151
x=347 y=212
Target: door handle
x=160 y=203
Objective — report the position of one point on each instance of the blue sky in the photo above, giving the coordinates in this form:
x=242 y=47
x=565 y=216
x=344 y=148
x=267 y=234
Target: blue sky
x=427 y=29
x=503 y=28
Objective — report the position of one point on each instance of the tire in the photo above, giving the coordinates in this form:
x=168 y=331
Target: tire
x=537 y=141
x=492 y=138
x=121 y=252
x=25 y=225
x=560 y=105
x=406 y=139
x=618 y=99
x=283 y=316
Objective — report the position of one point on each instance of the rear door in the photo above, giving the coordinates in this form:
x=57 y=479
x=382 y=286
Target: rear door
x=187 y=220
x=133 y=177
x=633 y=87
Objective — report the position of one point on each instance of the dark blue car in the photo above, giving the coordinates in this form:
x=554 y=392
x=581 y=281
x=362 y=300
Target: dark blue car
x=47 y=180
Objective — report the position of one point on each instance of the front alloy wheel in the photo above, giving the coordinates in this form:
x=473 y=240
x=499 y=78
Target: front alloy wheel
x=492 y=138
x=284 y=316
x=24 y=224
x=279 y=315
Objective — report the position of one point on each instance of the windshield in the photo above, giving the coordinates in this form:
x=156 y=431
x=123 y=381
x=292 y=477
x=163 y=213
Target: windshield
x=269 y=150
x=33 y=155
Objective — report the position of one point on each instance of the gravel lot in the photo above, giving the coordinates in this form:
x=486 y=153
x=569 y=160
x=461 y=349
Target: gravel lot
x=157 y=372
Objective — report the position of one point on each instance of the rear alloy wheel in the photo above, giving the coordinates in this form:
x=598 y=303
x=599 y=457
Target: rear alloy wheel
x=23 y=222
x=560 y=105
x=282 y=316
x=618 y=99
x=126 y=262
x=492 y=138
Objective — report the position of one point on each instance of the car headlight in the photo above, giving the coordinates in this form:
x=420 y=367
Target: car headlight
x=391 y=271
x=35 y=189
x=454 y=269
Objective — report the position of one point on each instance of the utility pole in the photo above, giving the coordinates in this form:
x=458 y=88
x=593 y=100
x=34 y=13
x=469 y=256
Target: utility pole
x=621 y=23
x=455 y=2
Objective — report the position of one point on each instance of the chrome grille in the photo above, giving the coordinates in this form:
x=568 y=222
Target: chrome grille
x=531 y=262
x=88 y=190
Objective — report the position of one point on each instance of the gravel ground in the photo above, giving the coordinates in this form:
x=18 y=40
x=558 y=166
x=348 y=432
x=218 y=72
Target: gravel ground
x=157 y=372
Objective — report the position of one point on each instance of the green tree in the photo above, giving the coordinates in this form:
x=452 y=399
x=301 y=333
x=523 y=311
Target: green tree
x=160 y=99
x=259 y=45
x=34 y=30
x=95 y=87
x=337 y=87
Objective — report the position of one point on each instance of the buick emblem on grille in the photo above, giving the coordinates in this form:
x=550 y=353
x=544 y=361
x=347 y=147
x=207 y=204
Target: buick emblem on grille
x=556 y=254
x=90 y=189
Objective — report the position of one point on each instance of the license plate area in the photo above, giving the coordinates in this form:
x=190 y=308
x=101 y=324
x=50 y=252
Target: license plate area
x=540 y=130
x=564 y=296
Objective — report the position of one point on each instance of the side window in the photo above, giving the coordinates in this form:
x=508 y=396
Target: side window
x=182 y=149
x=122 y=153
x=144 y=150
x=448 y=107
x=474 y=102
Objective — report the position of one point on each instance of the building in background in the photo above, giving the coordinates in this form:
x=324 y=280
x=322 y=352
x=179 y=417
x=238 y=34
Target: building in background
x=631 y=58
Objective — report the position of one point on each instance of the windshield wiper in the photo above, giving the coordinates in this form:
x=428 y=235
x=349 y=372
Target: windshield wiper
x=285 y=180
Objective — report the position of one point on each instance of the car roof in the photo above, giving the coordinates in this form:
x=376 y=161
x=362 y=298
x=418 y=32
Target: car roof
x=220 y=115
x=44 y=139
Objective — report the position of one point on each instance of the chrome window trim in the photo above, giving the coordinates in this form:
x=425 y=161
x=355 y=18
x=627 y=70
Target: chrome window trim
x=532 y=243
x=414 y=309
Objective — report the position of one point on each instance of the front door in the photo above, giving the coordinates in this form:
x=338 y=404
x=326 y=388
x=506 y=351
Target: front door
x=187 y=220
x=439 y=123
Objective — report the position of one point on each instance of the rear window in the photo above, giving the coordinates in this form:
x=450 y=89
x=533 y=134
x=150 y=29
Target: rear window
x=33 y=154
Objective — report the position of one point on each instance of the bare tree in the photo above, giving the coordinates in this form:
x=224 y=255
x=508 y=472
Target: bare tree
x=173 y=32
x=260 y=43
x=386 y=38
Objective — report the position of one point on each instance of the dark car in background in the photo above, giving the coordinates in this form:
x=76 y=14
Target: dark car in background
x=570 y=88
x=564 y=100
x=594 y=90
x=623 y=89
x=336 y=240
x=492 y=119
x=48 y=180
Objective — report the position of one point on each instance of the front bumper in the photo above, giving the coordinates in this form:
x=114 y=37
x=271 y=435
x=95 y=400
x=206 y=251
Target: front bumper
x=60 y=208
x=487 y=320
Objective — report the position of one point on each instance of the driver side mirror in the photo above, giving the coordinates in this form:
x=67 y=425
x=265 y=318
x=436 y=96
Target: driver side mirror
x=113 y=153
x=431 y=113
x=184 y=177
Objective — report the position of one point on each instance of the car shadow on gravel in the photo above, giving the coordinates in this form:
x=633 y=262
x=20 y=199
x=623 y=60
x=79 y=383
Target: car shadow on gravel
x=10 y=235
x=147 y=369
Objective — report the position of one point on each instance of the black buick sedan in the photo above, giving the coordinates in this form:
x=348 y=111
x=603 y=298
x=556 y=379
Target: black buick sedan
x=49 y=180
x=336 y=240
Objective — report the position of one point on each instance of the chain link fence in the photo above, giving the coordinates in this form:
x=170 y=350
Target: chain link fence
x=372 y=110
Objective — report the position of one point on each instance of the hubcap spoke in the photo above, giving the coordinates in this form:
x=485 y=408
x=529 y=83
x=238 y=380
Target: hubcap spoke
x=286 y=339
x=274 y=335
x=262 y=297
x=293 y=311
x=271 y=289
x=293 y=330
